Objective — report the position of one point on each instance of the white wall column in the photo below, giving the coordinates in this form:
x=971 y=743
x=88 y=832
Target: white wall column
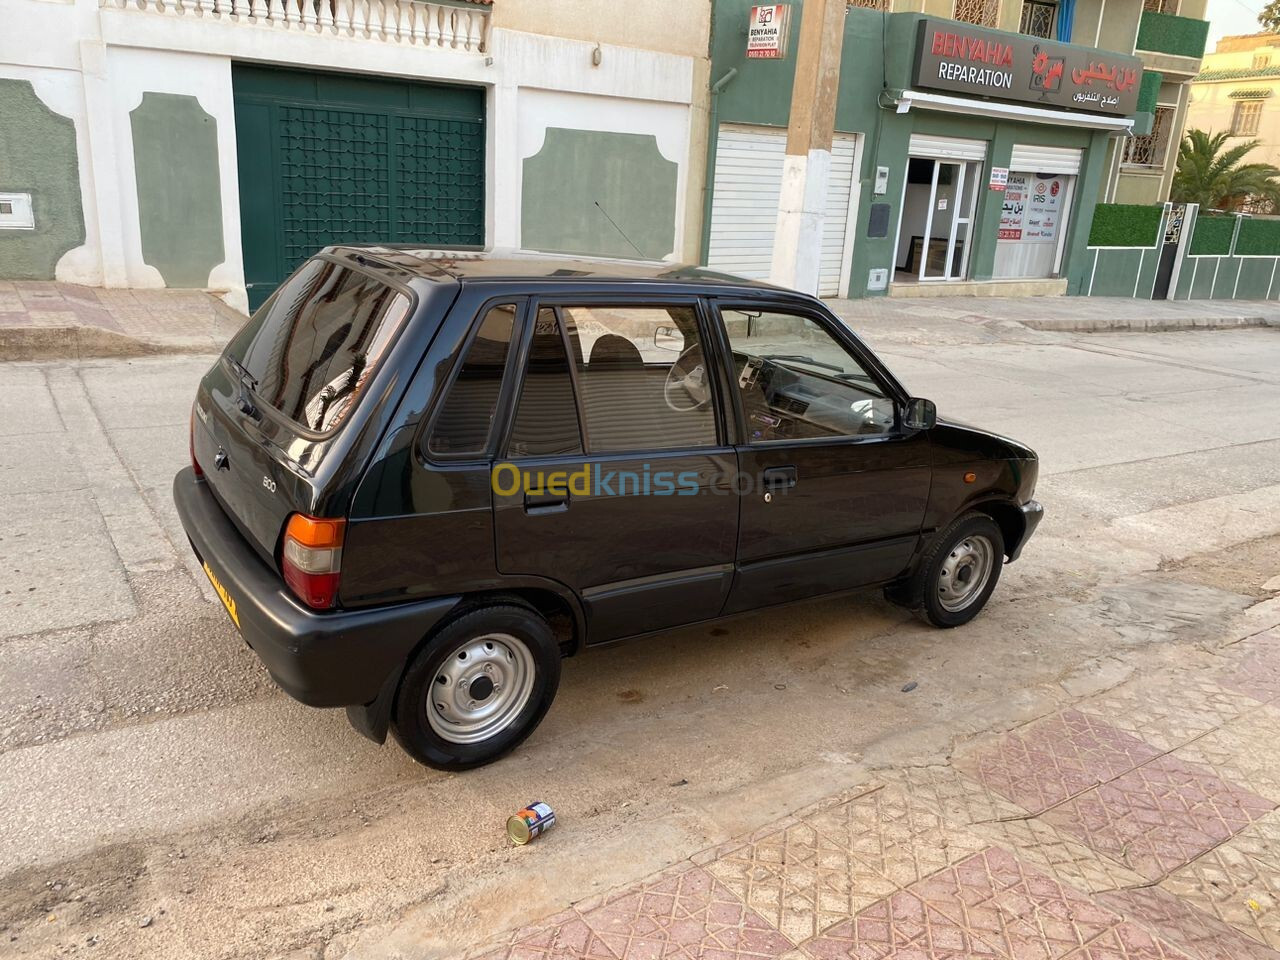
x=103 y=160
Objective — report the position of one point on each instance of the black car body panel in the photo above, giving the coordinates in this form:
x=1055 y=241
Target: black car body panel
x=331 y=659
x=426 y=532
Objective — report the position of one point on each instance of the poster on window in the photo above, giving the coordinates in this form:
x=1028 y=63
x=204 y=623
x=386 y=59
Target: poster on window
x=1033 y=207
x=1014 y=207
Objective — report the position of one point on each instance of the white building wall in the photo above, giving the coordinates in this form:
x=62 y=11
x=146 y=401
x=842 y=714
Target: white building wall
x=93 y=64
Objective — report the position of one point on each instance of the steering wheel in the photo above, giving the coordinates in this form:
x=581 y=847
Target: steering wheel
x=687 y=386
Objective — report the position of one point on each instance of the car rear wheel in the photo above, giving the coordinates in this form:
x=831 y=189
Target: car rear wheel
x=477 y=688
x=956 y=577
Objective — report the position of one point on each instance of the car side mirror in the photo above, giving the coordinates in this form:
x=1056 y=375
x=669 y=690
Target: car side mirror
x=920 y=414
x=668 y=338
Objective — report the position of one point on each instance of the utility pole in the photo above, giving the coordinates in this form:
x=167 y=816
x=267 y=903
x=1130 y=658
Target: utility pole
x=806 y=171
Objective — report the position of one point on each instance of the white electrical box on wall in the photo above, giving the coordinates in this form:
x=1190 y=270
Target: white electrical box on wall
x=15 y=212
x=878 y=278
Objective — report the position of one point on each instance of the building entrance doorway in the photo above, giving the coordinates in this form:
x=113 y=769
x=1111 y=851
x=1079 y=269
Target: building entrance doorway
x=936 y=231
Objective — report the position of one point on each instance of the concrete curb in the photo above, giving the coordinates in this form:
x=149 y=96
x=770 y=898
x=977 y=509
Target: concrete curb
x=1144 y=324
x=83 y=342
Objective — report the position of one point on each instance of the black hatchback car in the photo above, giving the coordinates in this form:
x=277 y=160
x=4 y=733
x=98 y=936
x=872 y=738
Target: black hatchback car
x=418 y=481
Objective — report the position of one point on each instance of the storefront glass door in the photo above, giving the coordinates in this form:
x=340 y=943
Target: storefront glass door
x=943 y=247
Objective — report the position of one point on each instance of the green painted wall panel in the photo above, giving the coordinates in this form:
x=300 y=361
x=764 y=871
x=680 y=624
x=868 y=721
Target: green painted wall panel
x=38 y=156
x=1202 y=272
x=1224 y=283
x=1115 y=272
x=581 y=180
x=1255 y=277
x=175 y=160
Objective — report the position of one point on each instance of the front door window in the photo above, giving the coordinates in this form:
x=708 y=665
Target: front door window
x=797 y=382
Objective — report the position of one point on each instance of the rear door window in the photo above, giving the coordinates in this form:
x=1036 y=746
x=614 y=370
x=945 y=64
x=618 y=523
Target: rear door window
x=312 y=349
x=546 y=420
x=462 y=426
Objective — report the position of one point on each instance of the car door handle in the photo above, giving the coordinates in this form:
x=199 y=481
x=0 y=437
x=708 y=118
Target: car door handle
x=776 y=477
x=540 y=503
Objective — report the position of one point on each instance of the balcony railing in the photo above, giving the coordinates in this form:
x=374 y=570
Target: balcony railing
x=404 y=21
x=1167 y=33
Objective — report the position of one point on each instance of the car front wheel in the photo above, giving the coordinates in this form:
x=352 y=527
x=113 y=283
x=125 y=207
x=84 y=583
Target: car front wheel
x=958 y=574
x=477 y=688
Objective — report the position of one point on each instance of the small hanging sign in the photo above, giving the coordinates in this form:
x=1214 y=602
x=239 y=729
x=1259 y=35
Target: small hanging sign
x=767 y=33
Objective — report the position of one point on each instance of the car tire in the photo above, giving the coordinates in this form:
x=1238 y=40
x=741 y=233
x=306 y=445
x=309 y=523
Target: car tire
x=477 y=688
x=957 y=574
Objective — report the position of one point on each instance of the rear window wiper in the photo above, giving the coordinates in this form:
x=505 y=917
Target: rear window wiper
x=800 y=358
x=248 y=378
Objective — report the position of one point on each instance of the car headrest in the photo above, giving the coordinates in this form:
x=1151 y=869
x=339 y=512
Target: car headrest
x=614 y=349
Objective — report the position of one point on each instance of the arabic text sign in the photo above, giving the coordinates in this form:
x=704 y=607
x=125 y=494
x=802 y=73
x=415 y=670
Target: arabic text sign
x=960 y=58
x=1033 y=207
x=767 y=32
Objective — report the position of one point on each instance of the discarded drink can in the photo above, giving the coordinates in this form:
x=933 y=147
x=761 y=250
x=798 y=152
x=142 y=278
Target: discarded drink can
x=533 y=821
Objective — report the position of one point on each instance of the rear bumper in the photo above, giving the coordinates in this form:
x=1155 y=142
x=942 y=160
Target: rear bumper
x=331 y=659
x=1032 y=514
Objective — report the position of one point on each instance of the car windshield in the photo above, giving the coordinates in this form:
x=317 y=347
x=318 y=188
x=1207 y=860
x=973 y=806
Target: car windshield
x=310 y=350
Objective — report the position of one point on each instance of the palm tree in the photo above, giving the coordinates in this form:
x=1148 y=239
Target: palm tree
x=1217 y=179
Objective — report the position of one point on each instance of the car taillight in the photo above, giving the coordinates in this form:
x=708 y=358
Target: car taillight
x=311 y=560
x=195 y=464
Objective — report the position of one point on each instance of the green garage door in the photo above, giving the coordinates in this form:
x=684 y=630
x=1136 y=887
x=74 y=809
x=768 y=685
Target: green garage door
x=334 y=158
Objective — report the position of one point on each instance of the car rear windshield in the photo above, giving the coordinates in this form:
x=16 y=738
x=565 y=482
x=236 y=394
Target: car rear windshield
x=312 y=347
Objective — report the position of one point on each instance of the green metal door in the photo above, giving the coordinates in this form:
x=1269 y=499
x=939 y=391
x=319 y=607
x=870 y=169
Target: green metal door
x=333 y=158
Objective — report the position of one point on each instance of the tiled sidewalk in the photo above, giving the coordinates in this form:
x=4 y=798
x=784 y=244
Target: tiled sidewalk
x=1138 y=825
x=51 y=319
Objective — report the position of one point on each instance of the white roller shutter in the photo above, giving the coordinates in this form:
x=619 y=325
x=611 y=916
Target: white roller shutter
x=947 y=148
x=1036 y=159
x=744 y=205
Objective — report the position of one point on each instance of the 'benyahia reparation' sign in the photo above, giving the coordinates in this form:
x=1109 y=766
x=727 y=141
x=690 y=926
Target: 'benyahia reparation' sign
x=969 y=60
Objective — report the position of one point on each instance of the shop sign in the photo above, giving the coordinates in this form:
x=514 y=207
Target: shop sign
x=999 y=178
x=972 y=61
x=767 y=32
x=1033 y=207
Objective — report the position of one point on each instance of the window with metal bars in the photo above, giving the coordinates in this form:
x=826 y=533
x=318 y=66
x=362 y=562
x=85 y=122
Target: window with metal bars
x=1244 y=122
x=983 y=13
x=1149 y=149
x=872 y=4
x=1038 y=19
x=1160 y=6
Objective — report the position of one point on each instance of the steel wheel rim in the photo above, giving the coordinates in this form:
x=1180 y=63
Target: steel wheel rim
x=480 y=688
x=965 y=572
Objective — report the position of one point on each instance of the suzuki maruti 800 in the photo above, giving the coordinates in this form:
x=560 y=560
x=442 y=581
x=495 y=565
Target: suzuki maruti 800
x=418 y=481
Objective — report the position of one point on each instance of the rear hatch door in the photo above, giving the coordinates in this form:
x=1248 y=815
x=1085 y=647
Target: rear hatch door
x=274 y=406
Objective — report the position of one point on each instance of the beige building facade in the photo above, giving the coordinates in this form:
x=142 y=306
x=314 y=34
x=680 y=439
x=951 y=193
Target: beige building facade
x=1237 y=91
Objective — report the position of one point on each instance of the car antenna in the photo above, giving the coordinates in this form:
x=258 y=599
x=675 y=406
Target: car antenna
x=619 y=229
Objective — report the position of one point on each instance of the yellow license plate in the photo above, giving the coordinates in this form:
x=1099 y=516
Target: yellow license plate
x=228 y=601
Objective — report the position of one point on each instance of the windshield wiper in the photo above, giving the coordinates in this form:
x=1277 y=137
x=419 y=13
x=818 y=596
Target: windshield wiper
x=249 y=379
x=800 y=358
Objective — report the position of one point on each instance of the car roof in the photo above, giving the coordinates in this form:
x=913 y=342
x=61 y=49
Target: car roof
x=510 y=265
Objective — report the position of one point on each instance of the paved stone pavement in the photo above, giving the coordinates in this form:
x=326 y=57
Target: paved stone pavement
x=1140 y=824
x=41 y=320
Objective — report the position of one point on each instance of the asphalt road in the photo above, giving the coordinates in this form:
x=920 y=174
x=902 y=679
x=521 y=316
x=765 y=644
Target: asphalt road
x=162 y=798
